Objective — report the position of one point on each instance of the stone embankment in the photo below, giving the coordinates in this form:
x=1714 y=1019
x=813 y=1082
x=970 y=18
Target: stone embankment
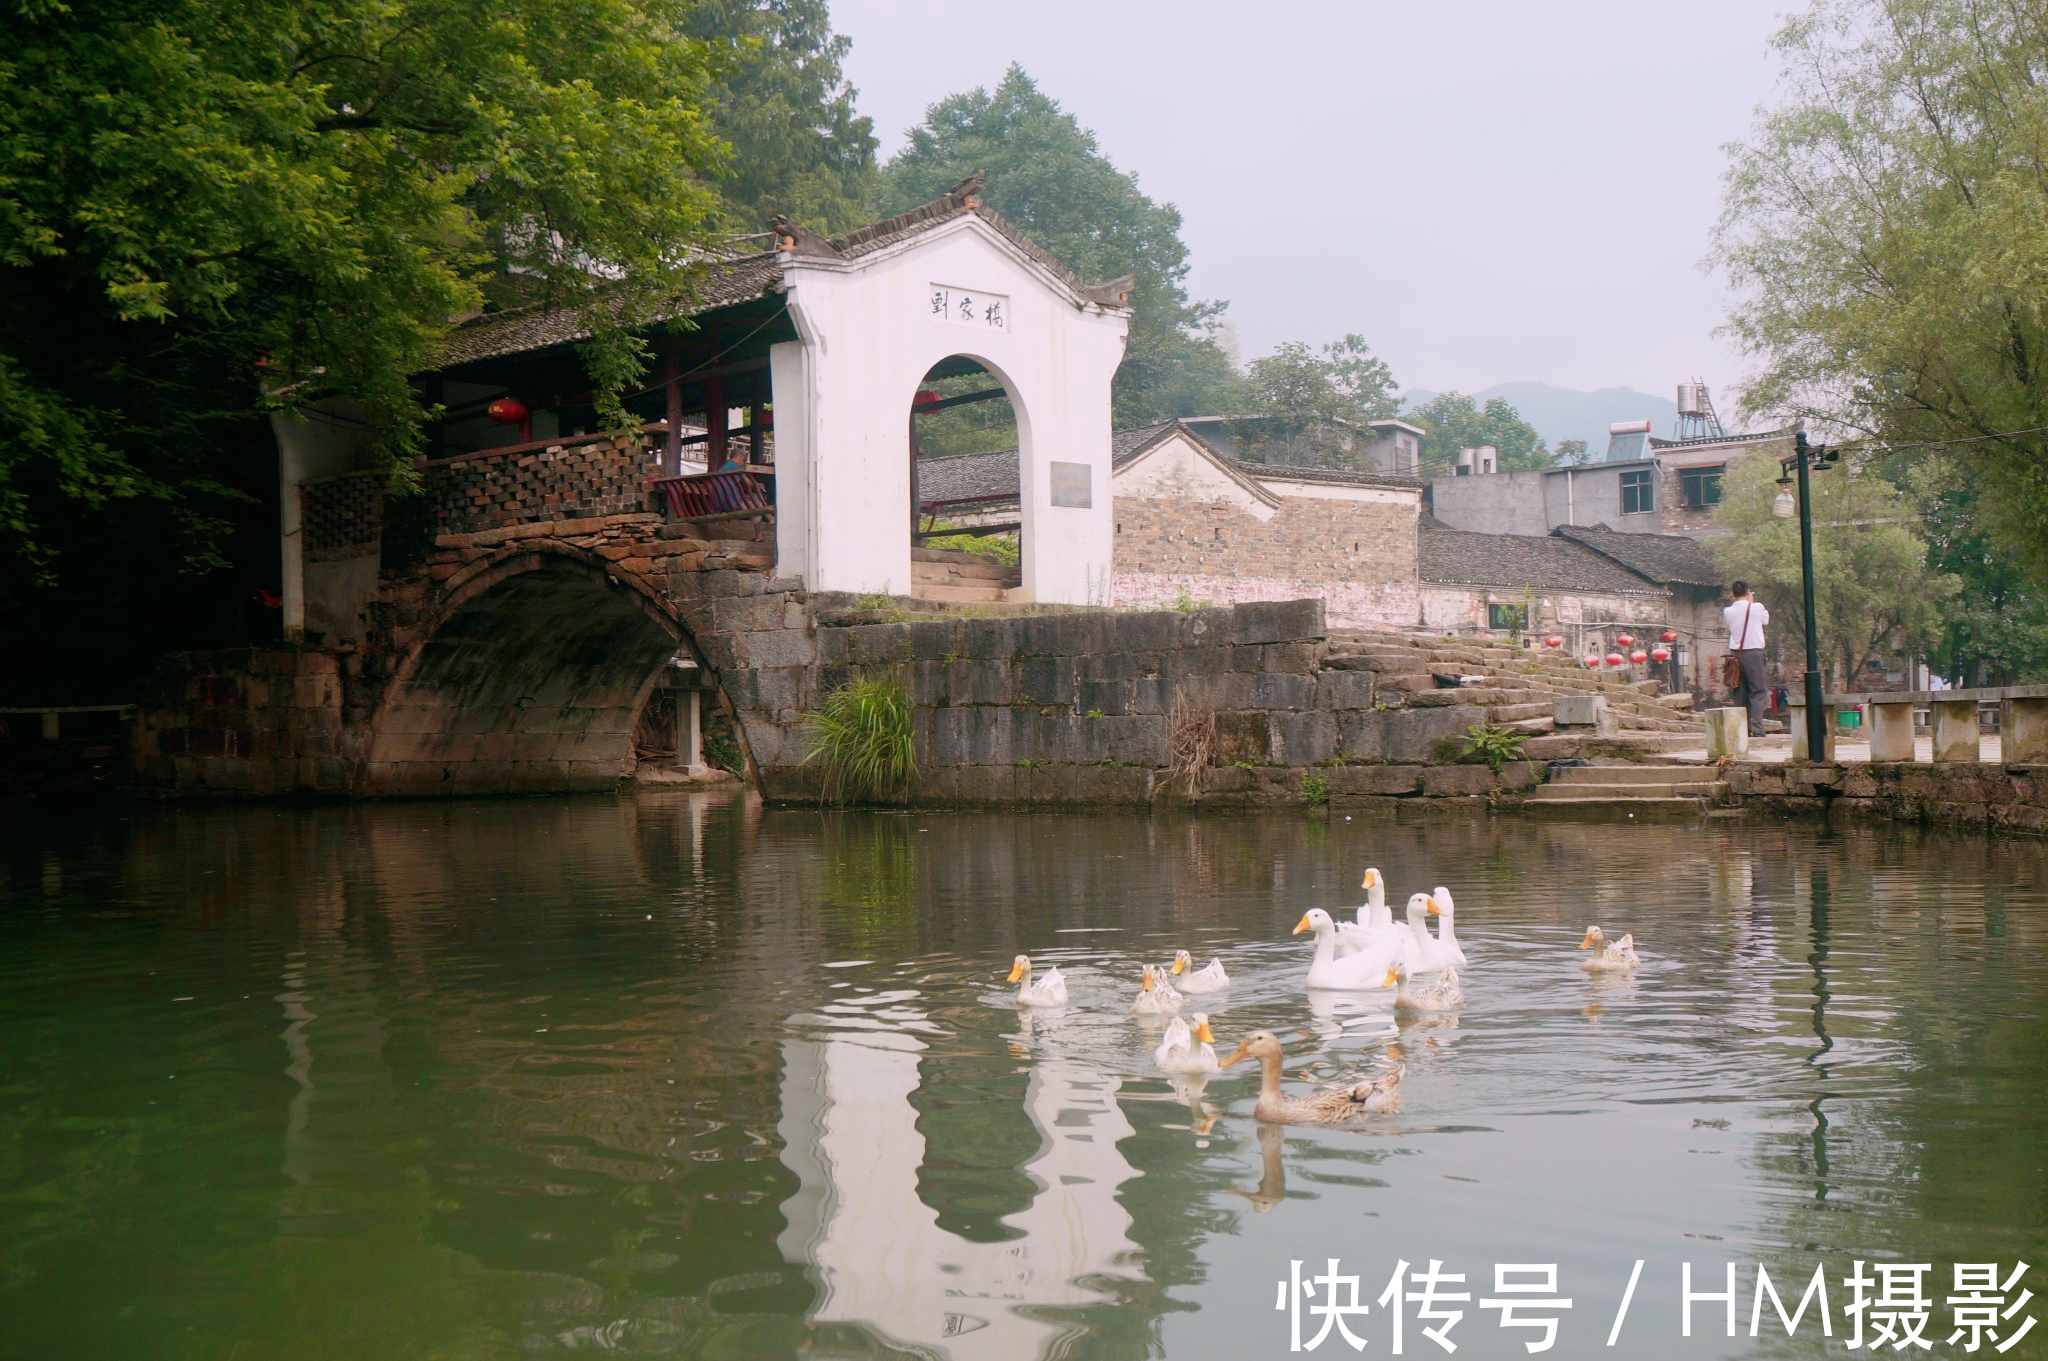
x=1087 y=706
x=2008 y=798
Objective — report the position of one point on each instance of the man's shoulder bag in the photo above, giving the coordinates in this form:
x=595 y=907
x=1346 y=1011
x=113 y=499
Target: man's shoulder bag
x=1731 y=665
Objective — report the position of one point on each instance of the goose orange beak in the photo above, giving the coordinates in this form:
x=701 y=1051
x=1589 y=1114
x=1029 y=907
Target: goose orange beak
x=1301 y=925
x=1204 y=1034
x=1016 y=972
x=1146 y=986
x=1235 y=1055
x=1178 y=966
x=1434 y=910
x=1393 y=977
x=1371 y=878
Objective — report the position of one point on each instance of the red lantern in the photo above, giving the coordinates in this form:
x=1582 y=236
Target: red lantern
x=1615 y=659
x=1553 y=641
x=1661 y=654
x=1670 y=635
x=1592 y=661
x=1639 y=656
x=1625 y=639
x=926 y=399
x=507 y=411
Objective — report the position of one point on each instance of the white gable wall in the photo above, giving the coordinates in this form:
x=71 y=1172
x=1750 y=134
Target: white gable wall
x=1175 y=467
x=843 y=393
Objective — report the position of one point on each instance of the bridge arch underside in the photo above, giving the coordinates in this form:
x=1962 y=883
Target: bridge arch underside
x=532 y=685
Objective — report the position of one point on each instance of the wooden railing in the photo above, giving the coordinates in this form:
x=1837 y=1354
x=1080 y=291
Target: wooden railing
x=736 y=493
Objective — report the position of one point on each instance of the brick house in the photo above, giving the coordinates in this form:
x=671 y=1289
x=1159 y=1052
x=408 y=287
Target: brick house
x=1193 y=525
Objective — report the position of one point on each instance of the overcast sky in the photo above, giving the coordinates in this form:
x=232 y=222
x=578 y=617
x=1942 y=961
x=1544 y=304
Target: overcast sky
x=1487 y=190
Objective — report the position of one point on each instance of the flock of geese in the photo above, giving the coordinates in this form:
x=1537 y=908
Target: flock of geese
x=1373 y=953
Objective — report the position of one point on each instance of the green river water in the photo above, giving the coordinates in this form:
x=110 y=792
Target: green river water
x=677 y=1075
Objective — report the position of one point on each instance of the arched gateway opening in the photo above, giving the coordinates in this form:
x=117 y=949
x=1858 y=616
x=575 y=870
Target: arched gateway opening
x=968 y=437
x=532 y=681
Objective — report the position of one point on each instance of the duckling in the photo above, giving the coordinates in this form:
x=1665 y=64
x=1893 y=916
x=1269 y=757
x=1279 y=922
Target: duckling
x=1049 y=991
x=1437 y=994
x=1379 y=1094
x=1156 y=997
x=1185 y=1050
x=1211 y=979
x=1608 y=957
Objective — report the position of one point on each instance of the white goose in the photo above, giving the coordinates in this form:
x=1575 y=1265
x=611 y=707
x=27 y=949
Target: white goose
x=1047 y=991
x=1427 y=953
x=1185 y=1050
x=1366 y=970
x=1608 y=956
x=1156 y=996
x=1447 y=927
x=1211 y=979
x=1373 y=916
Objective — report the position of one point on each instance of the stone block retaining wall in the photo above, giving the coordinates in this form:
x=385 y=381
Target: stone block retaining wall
x=2013 y=798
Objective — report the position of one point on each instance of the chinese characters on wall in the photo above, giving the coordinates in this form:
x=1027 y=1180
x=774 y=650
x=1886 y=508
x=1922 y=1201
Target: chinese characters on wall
x=968 y=307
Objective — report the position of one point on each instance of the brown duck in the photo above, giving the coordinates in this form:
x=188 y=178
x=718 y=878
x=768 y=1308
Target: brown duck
x=1379 y=1094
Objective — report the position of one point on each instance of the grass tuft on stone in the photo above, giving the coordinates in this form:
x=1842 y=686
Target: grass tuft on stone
x=861 y=736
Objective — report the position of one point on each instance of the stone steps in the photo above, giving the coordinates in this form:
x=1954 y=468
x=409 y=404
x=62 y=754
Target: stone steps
x=1663 y=783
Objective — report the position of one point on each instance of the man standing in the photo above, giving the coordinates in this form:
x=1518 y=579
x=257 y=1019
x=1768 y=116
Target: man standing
x=1746 y=619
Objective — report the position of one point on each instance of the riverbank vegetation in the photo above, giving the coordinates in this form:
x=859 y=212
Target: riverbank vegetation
x=1886 y=229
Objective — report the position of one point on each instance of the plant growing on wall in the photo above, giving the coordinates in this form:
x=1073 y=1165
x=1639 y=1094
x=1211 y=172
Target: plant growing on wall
x=862 y=738
x=1315 y=789
x=1192 y=744
x=1494 y=744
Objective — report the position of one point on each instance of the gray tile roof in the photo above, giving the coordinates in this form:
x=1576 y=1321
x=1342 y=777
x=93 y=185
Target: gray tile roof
x=540 y=326
x=744 y=278
x=993 y=476
x=1661 y=558
x=1456 y=557
x=1343 y=477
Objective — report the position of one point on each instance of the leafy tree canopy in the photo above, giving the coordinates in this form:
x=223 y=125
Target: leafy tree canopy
x=1315 y=403
x=785 y=107
x=1875 y=594
x=1047 y=174
x=1452 y=421
x=1887 y=230
x=191 y=189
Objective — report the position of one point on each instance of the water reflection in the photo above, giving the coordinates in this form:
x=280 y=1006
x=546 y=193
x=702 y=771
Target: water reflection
x=880 y=1255
x=675 y=1075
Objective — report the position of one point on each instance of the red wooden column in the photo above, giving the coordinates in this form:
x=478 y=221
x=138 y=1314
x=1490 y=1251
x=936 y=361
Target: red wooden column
x=714 y=422
x=672 y=447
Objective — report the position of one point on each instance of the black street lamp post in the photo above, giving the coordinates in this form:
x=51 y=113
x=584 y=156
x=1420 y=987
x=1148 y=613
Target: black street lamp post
x=1819 y=459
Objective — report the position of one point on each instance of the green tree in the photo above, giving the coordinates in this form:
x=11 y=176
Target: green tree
x=1317 y=402
x=1047 y=174
x=194 y=193
x=784 y=105
x=1887 y=231
x=1452 y=421
x=1874 y=593
x=1995 y=631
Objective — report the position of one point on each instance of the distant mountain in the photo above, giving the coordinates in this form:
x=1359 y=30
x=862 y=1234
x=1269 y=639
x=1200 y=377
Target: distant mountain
x=1562 y=413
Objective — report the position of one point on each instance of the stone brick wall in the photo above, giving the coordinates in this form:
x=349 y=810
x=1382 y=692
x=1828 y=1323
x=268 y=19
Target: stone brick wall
x=2011 y=798
x=572 y=480
x=1070 y=707
x=1358 y=555
x=247 y=722
x=342 y=517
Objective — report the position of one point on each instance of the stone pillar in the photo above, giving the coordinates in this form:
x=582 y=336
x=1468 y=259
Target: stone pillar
x=1727 y=733
x=1891 y=731
x=1955 y=731
x=1798 y=721
x=2023 y=731
x=689 y=732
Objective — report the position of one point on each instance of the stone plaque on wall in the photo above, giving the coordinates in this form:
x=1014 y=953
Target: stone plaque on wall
x=1072 y=485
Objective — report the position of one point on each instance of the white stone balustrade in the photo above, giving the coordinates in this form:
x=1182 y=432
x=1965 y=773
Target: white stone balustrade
x=2022 y=723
